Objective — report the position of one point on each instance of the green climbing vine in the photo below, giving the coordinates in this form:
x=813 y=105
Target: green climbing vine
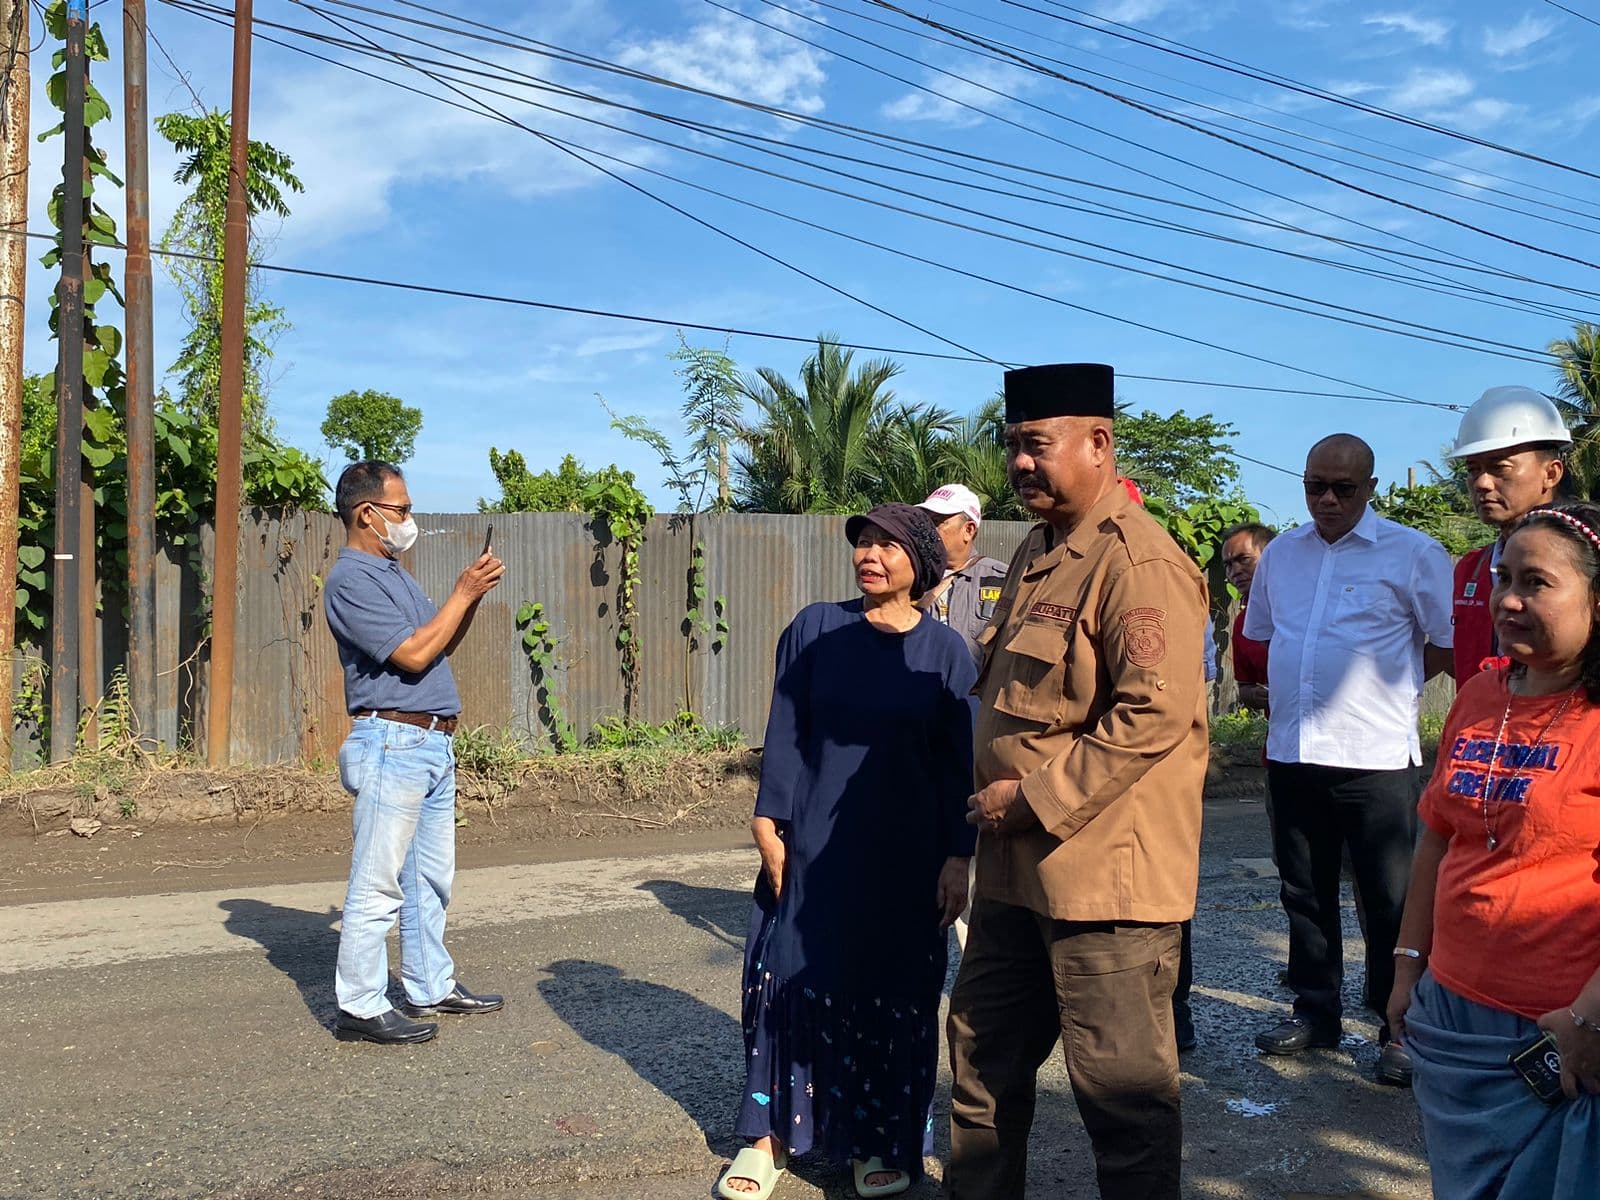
x=539 y=644
x=621 y=513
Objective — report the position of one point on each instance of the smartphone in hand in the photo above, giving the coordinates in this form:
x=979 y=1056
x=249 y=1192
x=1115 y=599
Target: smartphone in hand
x=488 y=537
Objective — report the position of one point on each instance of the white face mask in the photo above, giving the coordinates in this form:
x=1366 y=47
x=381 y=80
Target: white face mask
x=398 y=537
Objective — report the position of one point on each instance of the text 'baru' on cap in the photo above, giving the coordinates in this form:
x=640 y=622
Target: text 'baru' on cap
x=1060 y=390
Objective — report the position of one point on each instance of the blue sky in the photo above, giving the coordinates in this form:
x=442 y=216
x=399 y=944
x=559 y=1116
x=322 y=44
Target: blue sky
x=401 y=187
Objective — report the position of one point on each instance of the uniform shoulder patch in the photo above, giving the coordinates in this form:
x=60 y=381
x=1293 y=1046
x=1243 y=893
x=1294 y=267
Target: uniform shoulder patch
x=1144 y=635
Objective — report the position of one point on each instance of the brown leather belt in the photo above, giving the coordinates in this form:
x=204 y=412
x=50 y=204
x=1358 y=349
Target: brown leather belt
x=444 y=725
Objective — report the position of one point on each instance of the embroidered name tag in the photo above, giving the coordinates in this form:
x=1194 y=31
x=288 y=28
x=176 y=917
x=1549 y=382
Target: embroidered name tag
x=1054 y=612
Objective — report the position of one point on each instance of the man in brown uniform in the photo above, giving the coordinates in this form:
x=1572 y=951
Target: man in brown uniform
x=1091 y=754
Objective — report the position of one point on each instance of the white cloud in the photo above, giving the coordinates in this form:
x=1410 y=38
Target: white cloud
x=1427 y=88
x=1482 y=113
x=1430 y=31
x=724 y=53
x=1131 y=11
x=1515 y=39
x=1303 y=16
x=949 y=107
x=611 y=343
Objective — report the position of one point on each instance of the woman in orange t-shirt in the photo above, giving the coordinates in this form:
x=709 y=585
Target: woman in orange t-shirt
x=1500 y=942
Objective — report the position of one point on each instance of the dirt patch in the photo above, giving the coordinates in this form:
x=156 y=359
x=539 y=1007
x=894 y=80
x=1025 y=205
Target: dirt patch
x=577 y=797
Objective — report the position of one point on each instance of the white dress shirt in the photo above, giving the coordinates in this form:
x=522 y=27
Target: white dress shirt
x=1347 y=623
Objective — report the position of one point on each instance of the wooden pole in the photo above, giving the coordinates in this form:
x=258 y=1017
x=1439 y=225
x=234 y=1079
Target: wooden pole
x=64 y=630
x=13 y=291
x=230 y=411
x=140 y=384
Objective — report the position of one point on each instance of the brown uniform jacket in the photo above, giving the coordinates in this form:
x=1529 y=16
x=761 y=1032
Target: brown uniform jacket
x=1092 y=695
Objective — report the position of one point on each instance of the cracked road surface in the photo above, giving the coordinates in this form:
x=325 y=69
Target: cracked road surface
x=176 y=1044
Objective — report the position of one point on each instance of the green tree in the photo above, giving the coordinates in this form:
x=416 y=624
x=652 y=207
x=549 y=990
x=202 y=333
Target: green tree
x=521 y=490
x=372 y=426
x=197 y=229
x=975 y=455
x=816 y=447
x=1180 y=458
x=1578 y=397
x=1439 y=508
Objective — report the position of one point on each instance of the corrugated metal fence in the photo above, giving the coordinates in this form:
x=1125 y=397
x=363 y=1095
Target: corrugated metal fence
x=766 y=567
x=289 y=704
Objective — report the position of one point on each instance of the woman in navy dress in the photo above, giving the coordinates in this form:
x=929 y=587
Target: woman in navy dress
x=861 y=824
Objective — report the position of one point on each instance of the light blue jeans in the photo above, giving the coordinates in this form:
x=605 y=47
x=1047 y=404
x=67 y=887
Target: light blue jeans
x=404 y=781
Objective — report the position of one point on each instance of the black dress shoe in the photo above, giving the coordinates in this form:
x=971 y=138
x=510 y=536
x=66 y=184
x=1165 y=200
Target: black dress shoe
x=1394 y=1065
x=388 y=1028
x=459 y=1002
x=1297 y=1034
x=1183 y=1027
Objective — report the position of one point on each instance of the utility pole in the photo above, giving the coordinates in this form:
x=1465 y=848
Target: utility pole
x=230 y=409
x=140 y=382
x=64 y=632
x=13 y=290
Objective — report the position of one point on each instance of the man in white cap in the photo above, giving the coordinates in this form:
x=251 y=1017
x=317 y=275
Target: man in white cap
x=1510 y=443
x=965 y=600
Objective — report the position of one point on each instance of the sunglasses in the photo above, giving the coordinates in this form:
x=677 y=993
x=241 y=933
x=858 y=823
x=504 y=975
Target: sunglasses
x=403 y=509
x=1343 y=489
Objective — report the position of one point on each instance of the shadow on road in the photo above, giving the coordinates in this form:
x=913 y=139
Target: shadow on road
x=303 y=945
x=685 y=1048
x=721 y=912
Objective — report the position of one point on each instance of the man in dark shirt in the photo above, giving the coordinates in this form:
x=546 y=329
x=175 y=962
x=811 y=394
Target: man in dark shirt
x=398 y=762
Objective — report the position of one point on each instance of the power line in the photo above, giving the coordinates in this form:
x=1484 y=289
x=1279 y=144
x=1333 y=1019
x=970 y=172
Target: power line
x=884 y=140
x=1207 y=58
x=1285 y=113
x=731 y=330
x=1572 y=12
x=1455 y=179
x=580 y=153
x=592 y=62
x=1160 y=114
x=1454 y=337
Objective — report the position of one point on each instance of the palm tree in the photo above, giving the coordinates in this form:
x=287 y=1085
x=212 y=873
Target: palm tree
x=1578 y=398
x=817 y=447
x=975 y=454
x=915 y=440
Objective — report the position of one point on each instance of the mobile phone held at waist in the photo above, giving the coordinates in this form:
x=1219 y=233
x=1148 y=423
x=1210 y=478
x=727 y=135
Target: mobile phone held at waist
x=1539 y=1064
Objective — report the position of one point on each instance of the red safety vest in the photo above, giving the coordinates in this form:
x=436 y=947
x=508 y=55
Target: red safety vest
x=1475 y=648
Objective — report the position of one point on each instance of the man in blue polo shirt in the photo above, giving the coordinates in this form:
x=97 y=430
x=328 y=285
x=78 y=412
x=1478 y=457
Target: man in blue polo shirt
x=398 y=762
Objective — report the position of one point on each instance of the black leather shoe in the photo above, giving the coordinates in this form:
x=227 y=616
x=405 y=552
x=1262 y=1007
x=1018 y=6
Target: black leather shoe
x=459 y=1002
x=1297 y=1034
x=1183 y=1026
x=388 y=1028
x=1394 y=1065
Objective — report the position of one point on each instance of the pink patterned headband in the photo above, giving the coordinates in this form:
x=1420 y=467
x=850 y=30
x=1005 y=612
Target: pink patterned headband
x=1569 y=519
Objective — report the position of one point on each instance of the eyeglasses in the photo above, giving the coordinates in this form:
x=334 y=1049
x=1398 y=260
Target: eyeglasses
x=403 y=509
x=1343 y=489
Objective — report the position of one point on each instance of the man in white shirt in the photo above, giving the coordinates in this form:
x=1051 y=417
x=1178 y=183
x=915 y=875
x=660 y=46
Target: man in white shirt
x=1357 y=612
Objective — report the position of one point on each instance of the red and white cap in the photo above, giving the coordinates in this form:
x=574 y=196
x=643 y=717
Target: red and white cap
x=953 y=498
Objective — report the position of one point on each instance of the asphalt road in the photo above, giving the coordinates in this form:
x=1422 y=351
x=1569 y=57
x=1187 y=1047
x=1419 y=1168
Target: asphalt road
x=177 y=1045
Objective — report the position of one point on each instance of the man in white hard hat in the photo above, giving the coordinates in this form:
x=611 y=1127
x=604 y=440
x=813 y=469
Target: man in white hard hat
x=965 y=600
x=1510 y=442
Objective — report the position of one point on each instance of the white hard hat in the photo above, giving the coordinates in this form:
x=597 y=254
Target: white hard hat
x=1508 y=416
x=953 y=498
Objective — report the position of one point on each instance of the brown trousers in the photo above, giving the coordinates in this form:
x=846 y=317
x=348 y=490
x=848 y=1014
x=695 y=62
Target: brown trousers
x=1104 y=990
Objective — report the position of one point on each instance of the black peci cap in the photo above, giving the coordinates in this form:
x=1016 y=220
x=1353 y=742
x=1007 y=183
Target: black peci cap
x=1060 y=390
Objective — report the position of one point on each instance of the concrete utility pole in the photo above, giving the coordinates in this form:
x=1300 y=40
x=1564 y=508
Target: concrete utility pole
x=13 y=292
x=139 y=344
x=64 y=633
x=230 y=411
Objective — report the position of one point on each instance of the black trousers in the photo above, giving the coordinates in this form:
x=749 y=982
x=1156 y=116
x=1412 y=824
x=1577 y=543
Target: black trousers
x=1318 y=812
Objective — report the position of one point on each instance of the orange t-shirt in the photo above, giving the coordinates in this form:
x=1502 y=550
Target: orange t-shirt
x=1517 y=928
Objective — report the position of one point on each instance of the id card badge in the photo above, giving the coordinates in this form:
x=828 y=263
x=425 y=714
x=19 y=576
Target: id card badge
x=1539 y=1064
x=989 y=595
